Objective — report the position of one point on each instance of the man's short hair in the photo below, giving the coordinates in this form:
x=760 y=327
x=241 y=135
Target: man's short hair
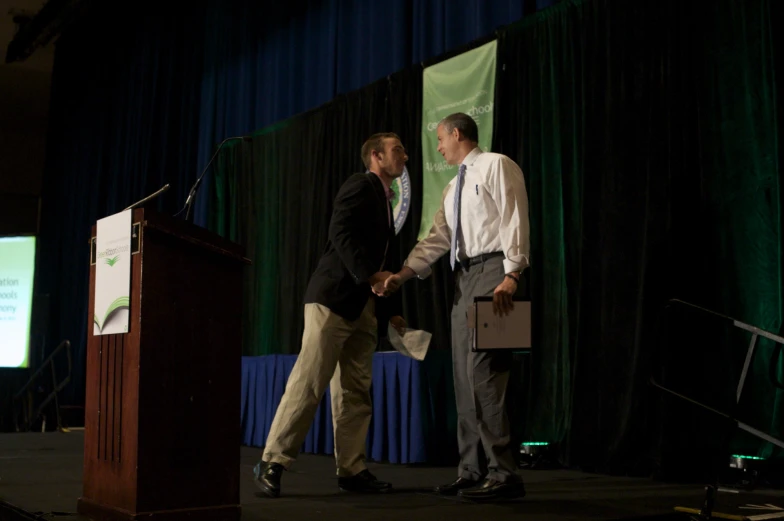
x=464 y=123
x=375 y=142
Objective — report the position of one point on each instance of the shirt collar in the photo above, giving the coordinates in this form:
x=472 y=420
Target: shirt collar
x=472 y=156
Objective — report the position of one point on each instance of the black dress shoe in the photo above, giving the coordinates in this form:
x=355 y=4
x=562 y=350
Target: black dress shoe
x=363 y=482
x=453 y=488
x=492 y=490
x=267 y=478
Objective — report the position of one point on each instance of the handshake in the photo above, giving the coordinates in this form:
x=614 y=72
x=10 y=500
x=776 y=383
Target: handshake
x=384 y=283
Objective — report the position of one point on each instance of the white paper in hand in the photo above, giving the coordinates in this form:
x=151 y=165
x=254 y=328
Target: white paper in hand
x=413 y=343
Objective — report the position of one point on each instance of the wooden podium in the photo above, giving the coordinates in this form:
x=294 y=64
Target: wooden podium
x=162 y=405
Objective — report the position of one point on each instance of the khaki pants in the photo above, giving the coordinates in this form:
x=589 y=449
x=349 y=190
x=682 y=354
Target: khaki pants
x=340 y=353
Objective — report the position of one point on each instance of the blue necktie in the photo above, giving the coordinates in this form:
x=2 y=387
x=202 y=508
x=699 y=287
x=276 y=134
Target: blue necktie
x=456 y=211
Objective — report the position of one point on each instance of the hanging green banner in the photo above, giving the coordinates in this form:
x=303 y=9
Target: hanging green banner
x=465 y=83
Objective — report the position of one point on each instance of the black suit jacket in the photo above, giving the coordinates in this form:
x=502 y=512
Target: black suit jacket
x=359 y=234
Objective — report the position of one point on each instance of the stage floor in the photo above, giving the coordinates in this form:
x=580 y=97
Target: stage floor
x=41 y=478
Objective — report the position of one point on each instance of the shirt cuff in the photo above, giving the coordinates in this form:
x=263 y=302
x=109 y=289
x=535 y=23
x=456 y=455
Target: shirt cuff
x=512 y=266
x=420 y=267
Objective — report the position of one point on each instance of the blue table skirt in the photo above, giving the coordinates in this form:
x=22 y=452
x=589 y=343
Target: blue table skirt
x=414 y=418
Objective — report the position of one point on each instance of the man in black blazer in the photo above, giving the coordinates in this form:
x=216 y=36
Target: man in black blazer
x=343 y=312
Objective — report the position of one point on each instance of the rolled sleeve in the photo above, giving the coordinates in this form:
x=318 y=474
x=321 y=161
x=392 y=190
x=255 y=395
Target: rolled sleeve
x=432 y=247
x=508 y=190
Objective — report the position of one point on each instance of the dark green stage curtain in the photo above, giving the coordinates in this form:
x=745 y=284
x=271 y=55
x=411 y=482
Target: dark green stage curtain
x=741 y=131
x=648 y=135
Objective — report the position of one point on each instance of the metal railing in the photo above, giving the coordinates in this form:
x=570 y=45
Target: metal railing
x=706 y=512
x=24 y=399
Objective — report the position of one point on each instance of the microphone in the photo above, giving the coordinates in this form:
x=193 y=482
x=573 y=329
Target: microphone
x=195 y=188
x=156 y=194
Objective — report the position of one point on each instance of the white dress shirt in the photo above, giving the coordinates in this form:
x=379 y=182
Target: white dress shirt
x=493 y=216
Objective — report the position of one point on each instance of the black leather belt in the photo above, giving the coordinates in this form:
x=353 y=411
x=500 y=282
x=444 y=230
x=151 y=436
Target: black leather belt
x=464 y=264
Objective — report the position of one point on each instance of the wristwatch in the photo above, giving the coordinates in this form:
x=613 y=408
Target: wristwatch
x=516 y=279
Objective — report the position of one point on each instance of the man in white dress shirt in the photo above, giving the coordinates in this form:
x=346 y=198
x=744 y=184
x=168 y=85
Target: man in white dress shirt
x=489 y=249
